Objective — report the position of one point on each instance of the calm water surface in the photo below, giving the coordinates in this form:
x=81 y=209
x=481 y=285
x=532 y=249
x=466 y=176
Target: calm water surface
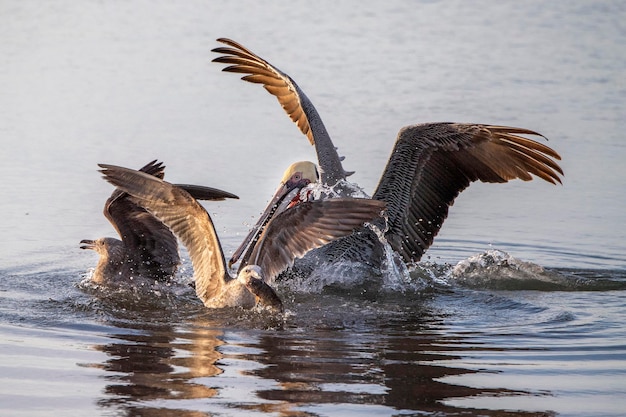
x=518 y=308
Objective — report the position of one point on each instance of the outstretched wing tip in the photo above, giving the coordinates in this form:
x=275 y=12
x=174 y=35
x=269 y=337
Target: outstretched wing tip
x=446 y=158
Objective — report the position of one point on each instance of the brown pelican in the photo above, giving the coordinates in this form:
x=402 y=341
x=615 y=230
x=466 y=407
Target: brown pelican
x=429 y=166
x=288 y=235
x=148 y=249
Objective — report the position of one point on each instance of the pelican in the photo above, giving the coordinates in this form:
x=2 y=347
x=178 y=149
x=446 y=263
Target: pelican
x=429 y=166
x=288 y=235
x=148 y=249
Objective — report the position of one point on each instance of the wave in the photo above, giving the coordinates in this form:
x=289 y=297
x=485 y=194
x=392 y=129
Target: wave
x=43 y=294
x=490 y=270
x=498 y=270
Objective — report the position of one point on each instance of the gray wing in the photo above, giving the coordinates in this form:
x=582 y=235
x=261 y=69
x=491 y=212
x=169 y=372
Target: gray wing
x=150 y=243
x=184 y=216
x=293 y=100
x=200 y=192
x=432 y=163
x=309 y=225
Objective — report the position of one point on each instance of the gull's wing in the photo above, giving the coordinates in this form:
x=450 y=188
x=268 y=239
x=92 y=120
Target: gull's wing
x=151 y=244
x=432 y=163
x=200 y=192
x=293 y=100
x=307 y=226
x=178 y=210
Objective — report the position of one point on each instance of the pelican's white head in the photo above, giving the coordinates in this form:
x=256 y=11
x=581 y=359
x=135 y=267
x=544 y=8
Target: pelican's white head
x=300 y=174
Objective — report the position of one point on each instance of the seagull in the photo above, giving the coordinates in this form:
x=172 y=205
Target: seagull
x=430 y=164
x=288 y=235
x=147 y=250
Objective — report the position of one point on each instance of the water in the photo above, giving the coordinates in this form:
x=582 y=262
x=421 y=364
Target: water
x=530 y=321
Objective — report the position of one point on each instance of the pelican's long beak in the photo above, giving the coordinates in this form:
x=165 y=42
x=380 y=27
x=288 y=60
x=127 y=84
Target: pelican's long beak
x=297 y=176
x=280 y=201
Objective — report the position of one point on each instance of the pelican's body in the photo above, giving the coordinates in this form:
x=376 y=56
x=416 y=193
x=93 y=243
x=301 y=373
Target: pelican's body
x=289 y=235
x=147 y=250
x=429 y=166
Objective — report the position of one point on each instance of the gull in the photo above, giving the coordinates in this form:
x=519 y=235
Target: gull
x=147 y=249
x=289 y=235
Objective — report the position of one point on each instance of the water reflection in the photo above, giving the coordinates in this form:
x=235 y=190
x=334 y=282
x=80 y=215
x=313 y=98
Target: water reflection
x=393 y=360
x=159 y=363
x=396 y=371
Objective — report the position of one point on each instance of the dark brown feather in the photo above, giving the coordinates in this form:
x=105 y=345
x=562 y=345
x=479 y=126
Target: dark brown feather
x=151 y=247
x=185 y=217
x=432 y=163
x=307 y=226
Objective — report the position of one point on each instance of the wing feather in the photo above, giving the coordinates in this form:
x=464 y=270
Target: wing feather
x=151 y=245
x=292 y=99
x=178 y=210
x=432 y=163
x=307 y=226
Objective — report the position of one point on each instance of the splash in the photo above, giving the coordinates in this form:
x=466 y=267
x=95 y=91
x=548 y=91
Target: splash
x=496 y=269
x=343 y=188
x=138 y=294
x=396 y=275
x=356 y=278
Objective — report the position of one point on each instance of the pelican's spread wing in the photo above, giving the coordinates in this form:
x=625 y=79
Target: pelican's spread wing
x=291 y=98
x=184 y=216
x=148 y=240
x=276 y=82
x=307 y=226
x=432 y=163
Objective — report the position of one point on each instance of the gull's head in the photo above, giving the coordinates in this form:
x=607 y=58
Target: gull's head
x=102 y=246
x=250 y=272
x=253 y=278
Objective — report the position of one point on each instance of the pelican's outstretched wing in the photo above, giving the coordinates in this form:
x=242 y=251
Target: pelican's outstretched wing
x=178 y=210
x=307 y=226
x=291 y=98
x=432 y=163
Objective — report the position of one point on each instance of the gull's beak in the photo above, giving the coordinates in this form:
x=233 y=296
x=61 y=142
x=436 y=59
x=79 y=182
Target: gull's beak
x=87 y=244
